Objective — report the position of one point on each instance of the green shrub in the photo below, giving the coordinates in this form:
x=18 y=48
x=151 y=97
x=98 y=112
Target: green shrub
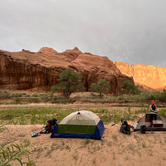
x=34 y=95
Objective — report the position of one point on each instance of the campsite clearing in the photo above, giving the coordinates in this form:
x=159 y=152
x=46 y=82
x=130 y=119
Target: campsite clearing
x=114 y=148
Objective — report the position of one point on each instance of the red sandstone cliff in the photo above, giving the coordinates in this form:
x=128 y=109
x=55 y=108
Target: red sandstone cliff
x=26 y=70
x=150 y=76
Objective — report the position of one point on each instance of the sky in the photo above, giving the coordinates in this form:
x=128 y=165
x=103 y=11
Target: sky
x=131 y=31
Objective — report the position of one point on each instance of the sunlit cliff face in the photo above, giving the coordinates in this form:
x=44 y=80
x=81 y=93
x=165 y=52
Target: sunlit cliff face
x=151 y=76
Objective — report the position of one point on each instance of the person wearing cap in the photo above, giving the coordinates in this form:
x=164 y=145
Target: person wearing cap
x=153 y=108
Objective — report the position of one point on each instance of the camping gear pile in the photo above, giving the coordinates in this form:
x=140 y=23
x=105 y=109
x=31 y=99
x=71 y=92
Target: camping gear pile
x=51 y=124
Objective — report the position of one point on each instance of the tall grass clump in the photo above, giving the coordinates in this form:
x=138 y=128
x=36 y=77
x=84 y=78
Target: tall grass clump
x=9 y=153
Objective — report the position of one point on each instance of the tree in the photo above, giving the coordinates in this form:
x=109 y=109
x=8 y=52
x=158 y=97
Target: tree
x=129 y=88
x=101 y=86
x=70 y=82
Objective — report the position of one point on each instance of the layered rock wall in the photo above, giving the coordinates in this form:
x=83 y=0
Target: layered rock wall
x=150 y=76
x=26 y=70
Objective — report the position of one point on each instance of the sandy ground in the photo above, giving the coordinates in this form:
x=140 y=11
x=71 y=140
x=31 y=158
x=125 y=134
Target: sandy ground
x=115 y=148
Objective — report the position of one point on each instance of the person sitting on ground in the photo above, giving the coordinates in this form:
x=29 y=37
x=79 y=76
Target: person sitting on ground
x=153 y=108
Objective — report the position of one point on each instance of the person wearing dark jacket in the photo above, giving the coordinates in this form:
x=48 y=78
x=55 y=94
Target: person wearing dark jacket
x=153 y=108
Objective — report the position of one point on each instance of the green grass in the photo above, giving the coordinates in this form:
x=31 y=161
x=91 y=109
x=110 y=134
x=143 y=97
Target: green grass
x=12 y=102
x=41 y=115
x=32 y=116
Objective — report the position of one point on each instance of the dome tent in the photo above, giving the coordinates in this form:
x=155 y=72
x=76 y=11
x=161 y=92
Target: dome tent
x=152 y=125
x=79 y=124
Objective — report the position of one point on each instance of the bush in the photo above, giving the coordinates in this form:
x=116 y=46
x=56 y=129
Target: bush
x=129 y=88
x=70 y=82
x=101 y=86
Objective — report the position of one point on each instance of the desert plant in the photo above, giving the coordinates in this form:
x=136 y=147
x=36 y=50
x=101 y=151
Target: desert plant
x=115 y=138
x=109 y=143
x=131 y=147
x=144 y=145
x=75 y=156
x=129 y=88
x=87 y=141
x=9 y=153
x=67 y=147
x=101 y=86
x=70 y=82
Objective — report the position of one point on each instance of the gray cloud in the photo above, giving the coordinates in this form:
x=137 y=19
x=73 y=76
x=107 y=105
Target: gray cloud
x=129 y=31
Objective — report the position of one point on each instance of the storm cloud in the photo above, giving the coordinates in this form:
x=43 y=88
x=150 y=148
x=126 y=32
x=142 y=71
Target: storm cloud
x=131 y=31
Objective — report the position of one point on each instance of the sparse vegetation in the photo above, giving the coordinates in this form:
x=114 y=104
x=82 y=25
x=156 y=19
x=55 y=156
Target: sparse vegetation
x=75 y=156
x=131 y=147
x=21 y=135
x=94 y=161
x=129 y=88
x=9 y=153
x=114 y=145
x=144 y=145
x=101 y=86
x=70 y=82
x=114 y=137
x=23 y=98
x=41 y=115
x=86 y=141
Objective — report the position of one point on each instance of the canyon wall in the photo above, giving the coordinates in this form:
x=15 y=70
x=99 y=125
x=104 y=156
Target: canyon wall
x=150 y=76
x=28 y=70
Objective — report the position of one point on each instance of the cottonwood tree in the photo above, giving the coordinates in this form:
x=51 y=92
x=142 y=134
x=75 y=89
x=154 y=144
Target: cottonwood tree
x=70 y=82
x=101 y=86
x=129 y=88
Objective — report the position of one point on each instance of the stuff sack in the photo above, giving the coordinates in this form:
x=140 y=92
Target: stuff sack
x=143 y=129
x=51 y=124
x=125 y=128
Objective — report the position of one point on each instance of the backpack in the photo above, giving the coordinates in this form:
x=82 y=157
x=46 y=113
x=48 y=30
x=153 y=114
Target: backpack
x=51 y=124
x=125 y=128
